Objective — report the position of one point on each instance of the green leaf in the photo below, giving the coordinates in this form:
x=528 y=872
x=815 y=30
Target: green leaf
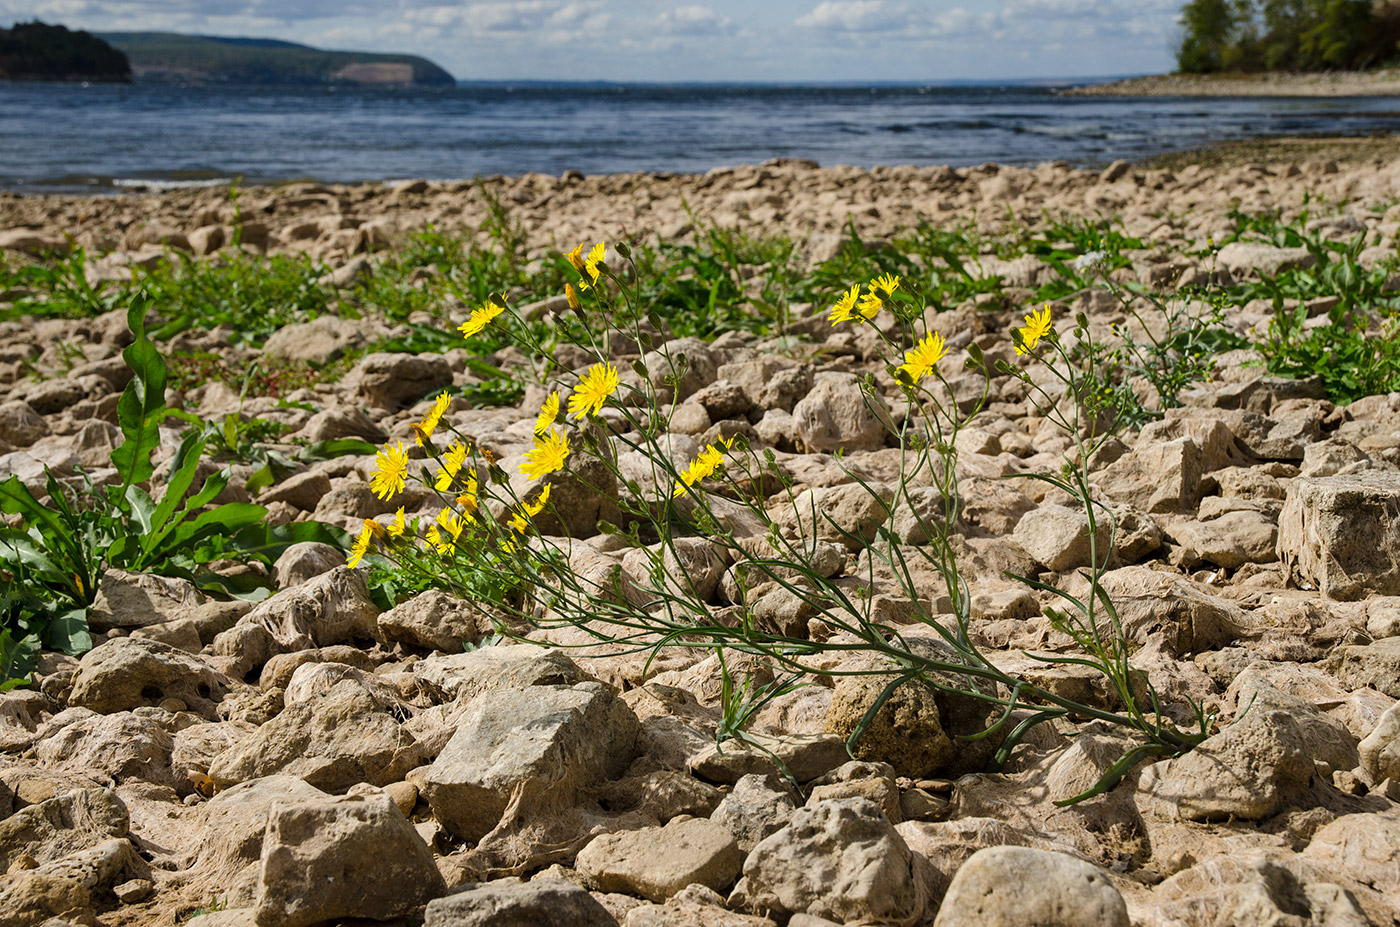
x=142 y=404
x=338 y=447
x=68 y=632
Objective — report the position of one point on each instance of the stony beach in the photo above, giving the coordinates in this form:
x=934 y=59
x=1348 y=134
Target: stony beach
x=1378 y=83
x=315 y=758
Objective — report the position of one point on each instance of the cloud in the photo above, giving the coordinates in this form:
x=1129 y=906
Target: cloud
x=856 y=16
x=694 y=20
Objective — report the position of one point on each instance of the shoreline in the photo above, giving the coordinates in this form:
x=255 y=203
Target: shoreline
x=1332 y=84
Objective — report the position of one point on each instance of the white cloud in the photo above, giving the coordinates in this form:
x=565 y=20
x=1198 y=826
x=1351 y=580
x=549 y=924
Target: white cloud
x=694 y=20
x=856 y=16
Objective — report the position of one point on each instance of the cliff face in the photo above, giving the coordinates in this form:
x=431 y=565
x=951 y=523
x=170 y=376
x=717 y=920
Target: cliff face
x=211 y=59
x=36 y=51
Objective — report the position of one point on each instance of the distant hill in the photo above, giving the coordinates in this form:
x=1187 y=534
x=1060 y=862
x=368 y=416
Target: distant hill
x=36 y=51
x=171 y=56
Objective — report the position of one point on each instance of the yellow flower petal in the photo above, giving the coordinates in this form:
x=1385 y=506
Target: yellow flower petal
x=597 y=385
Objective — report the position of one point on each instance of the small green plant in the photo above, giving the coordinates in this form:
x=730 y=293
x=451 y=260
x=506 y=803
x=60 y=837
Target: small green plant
x=64 y=542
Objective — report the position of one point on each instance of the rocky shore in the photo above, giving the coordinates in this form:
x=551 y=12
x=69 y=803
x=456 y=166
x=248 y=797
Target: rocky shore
x=316 y=759
x=1381 y=83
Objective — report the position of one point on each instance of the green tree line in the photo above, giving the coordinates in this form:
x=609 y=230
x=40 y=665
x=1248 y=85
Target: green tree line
x=1287 y=35
x=37 y=51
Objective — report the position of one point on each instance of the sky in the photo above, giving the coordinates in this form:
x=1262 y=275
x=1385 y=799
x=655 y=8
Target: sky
x=650 y=40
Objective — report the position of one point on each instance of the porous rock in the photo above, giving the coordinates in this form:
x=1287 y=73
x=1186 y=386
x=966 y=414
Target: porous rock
x=130 y=672
x=840 y=859
x=1341 y=534
x=353 y=856
x=657 y=862
x=1018 y=886
x=512 y=903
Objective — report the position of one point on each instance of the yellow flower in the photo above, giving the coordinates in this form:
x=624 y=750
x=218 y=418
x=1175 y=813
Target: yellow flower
x=869 y=305
x=920 y=360
x=481 y=317
x=451 y=463
x=361 y=546
x=520 y=521
x=548 y=455
x=450 y=522
x=843 y=310
x=887 y=282
x=590 y=265
x=593 y=390
x=572 y=296
x=391 y=474
x=424 y=429
x=703 y=466
x=467 y=497
x=1037 y=327
x=400 y=524
x=548 y=413
x=576 y=258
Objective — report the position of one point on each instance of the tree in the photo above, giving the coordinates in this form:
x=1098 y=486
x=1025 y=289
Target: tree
x=1209 y=25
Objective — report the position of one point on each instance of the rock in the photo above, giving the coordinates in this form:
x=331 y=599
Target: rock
x=690 y=359
x=21 y=713
x=125 y=746
x=806 y=757
x=662 y=794
x=510 y=903
x=657 y=862
x=333 y=608
x=1157 y=477
x=1380 y=752
x=305 y=561
x=850 y=515
x=135 y=891
x=332 y=741
x=318 y=342
x=34 y=242
x=1341 y=534
x=678 y=913
x=395 y=381
x=30 y=897
x=1364 y=848
x=20 y=424
x=540 y=744
x=837 y=415
x=62 y=825
x=352 y=273
x=207 y=239
x=329 y=424
x=139 y=600
x=1229 y=540
x=1251 y=770
x=1375 y=665
x=435 y=620
x=1018 y=886
x=464 y=676
x=300 y=490
x=856 y=779
x=355 y=856
x=1383 y=617
x=1243 y=257
x=920 y=729
x=229 y=846
x=1331 y=746
x=1058 y=537
x=842 y=860
x=755 y=808
x=1151 y=602
x=130 y=672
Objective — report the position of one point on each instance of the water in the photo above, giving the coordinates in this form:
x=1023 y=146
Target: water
x=105 y=137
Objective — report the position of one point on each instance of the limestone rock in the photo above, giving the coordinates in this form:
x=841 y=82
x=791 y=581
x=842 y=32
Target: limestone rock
x=318 y=342
x=1342 y=534
x=1157 y=477
x=755 y=808
x=837 y=415
x=1017 y=886
x=840 y=859
x=139 y=600
x=305 y=561
x=32 y=896
x=63 y=825
x=332 y=741
x=1058 y=537
x=435 y=620
x=657 y=862
x=1251 y=770
x=124 y=746
x=1380 y=751
x=1244 y=257
x=129 y=672
x=20 y=424
x=354 y=856
x=1150 y=602
x=511 y=903
x=394 y=381
x=544 y=742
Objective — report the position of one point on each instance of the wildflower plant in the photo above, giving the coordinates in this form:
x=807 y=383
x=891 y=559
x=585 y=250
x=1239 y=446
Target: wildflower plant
x=727 y=504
